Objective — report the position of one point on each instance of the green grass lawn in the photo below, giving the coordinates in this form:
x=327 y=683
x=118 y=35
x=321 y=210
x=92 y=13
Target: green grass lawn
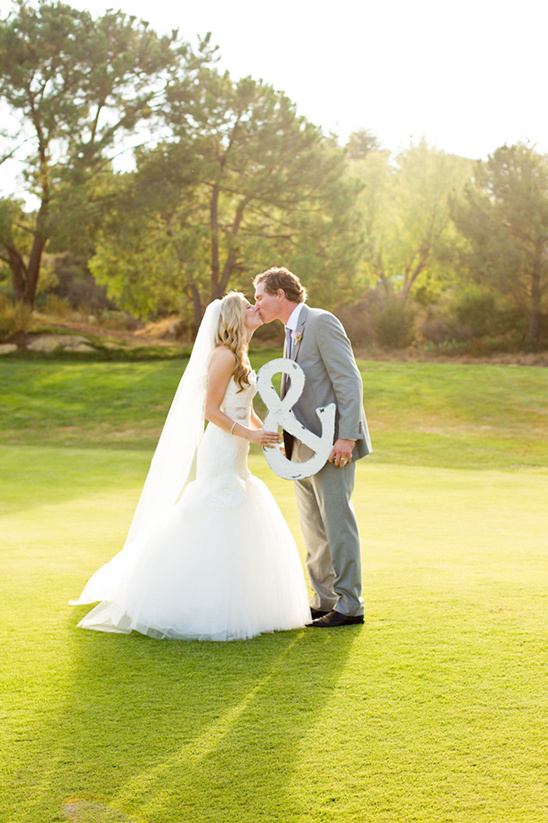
x=430 y=414
x=435 y=710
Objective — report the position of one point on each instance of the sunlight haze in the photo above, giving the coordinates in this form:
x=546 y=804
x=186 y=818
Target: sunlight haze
x=467 y=77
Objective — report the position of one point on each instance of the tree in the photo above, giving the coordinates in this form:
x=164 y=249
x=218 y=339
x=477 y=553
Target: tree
x=361 y=143
x=14 y=239
x=77 y=86
x=504 y=216
x=244 y=183
x=406 y=215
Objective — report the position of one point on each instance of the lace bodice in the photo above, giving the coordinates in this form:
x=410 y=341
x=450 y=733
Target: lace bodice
x=222 y=457
x=237 y=404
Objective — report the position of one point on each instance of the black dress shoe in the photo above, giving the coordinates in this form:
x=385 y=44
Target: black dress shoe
x=317 y=613
x=332 y=619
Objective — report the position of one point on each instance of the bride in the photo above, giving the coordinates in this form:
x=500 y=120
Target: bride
x=209 y=558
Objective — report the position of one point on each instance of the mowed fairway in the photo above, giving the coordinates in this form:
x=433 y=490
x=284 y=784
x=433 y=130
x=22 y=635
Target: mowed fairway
x=435 y=710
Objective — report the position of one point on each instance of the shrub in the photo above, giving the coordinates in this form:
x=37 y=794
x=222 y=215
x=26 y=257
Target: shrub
x=14 y=317
x=437 y=327
x=543 y=330
x=357 y=321
x=446 y=347
x=476 y=309
x=71 y=281
x=118 y=321
x=57 y=306
x=394 y=325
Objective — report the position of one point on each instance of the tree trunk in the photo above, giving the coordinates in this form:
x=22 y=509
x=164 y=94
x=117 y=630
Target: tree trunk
x=230 y=261
x=18 y=270
x=534 y=314
x=25 y=277
x=214 y=229
x=40 y=232
x=197 y=303
x=378 y=267
x=412 y=272
x=33 y=268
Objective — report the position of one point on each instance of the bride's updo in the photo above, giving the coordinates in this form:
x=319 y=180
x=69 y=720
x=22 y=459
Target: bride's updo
x=231 y=333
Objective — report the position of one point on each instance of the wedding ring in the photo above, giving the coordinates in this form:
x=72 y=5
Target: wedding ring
x=343 y=461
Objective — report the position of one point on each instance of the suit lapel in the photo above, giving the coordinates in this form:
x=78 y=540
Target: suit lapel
x=299 y=331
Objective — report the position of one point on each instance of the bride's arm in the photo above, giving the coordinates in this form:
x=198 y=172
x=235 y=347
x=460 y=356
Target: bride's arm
x=256 y=422
x=221 y=368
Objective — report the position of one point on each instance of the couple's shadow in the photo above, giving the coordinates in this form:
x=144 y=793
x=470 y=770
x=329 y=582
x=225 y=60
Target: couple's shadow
x=181 y=725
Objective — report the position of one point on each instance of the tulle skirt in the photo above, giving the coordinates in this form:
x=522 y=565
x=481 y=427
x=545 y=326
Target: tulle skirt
x=221 y=564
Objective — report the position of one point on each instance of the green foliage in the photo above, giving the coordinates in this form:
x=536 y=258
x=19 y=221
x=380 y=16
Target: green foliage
x=137 y=262
x=84 y=80
x=361 y=143
x=474 y=320
x=71 y=282
x=243 y=183
x=78 y=208
x=475 y=308
x=77 y=85
x=14 y=317
x=503 y=214
x=10 y=210
x=15 y=240
x=56 y=306
x=405 y=206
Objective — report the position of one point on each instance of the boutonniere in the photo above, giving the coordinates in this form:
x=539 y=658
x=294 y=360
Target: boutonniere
x=298 y=338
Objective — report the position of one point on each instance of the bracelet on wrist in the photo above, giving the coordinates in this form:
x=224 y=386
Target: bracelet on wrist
x=233 y=425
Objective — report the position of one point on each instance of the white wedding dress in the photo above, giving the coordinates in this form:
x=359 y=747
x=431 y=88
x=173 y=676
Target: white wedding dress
x=220 y=564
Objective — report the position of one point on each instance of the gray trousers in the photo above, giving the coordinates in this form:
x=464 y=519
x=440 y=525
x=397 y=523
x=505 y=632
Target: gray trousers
x=331 y=537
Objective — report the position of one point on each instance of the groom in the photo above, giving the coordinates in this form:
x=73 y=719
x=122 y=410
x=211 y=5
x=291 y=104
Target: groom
x=316 y=340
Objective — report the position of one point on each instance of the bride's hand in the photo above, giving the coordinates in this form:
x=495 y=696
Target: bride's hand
x=263 y=438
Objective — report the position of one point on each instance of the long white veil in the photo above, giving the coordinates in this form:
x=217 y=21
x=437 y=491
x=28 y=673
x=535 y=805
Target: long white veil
x=172 y=460
x=182 y=431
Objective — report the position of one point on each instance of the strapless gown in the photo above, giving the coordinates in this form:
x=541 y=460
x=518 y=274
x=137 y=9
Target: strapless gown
x=221 y=564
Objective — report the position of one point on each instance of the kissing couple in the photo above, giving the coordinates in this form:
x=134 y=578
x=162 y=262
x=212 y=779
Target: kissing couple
x=209 y=555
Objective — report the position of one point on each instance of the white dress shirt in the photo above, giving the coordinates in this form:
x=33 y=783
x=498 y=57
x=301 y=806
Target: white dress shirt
x=293 y=322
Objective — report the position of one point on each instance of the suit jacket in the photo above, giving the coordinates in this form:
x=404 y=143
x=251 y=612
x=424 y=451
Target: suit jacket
x=323 y=351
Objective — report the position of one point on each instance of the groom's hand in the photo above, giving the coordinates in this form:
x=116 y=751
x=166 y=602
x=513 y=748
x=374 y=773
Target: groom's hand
x=341 y=453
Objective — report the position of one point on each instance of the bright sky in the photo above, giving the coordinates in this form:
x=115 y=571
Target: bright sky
x=468 y=75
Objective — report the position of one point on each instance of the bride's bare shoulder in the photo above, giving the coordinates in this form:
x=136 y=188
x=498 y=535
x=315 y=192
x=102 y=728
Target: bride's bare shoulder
x=223 y=354
x=222 y=361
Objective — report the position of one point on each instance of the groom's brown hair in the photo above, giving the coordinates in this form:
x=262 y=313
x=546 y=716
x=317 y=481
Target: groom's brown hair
x=281 y=278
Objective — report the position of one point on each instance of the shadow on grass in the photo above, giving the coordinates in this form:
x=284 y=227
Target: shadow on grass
x=168 y=730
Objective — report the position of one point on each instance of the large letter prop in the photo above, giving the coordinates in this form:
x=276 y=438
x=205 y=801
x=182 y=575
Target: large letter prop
x=279 y=415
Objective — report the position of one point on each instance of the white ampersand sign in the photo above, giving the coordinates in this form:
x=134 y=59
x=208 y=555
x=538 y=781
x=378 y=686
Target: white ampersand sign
x=279 y=415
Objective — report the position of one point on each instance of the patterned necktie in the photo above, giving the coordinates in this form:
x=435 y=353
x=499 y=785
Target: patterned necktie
x=287 y=353
x=288 y=342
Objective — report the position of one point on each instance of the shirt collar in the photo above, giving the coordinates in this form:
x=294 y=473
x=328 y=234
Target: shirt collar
x=293 y=321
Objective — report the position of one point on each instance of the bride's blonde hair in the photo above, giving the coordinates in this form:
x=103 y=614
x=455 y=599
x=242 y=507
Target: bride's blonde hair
x=231 y=333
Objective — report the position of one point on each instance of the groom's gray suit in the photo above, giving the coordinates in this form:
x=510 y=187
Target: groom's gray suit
x=330 y=530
